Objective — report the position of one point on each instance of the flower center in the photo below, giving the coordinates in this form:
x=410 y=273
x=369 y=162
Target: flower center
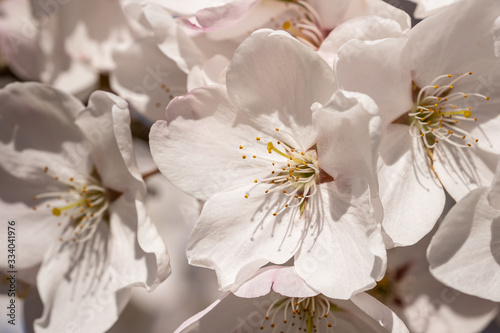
x=307 y=26
x=294 y=173
x=439 y=111
x=84 y=203
x=308 y=314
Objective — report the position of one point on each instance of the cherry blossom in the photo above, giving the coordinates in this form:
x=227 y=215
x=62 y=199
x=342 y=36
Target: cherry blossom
x=78 y=205
x=439 y=104
x=285 y=168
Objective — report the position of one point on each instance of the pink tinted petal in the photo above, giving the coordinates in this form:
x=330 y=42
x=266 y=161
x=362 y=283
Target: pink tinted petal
x=494 y=190
x=225 y=15
x=446 y=48
x=282 y=279
x=77 y=288
x=361 y=28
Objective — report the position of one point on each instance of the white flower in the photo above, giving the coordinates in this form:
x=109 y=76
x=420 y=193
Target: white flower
x=465 y=251
x=64 y=43
x=280 y=181
x=258 y=309
x=436 y=90
x=70 y=180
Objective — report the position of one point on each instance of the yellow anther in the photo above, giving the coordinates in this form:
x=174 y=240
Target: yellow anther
x=451 y=87
x=258 y=138
x=255 y=181
x=436 y=86
x=241 y=147
x=286 y=25
x=254 y=156
x=246 y=196
x=244 y=156
x=487 y=98
x=449 y=75
x=274 y=214
x=277 y=129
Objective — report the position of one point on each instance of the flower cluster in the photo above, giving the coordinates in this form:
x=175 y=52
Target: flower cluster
x=340 y=167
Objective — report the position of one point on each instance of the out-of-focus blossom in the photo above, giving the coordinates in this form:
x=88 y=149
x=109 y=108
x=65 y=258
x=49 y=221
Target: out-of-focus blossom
x=439 y=100
x=64 y=43
x=422 y=302
x=283 y=175
x=465 y=251
x=291 y=306
x=78 y=205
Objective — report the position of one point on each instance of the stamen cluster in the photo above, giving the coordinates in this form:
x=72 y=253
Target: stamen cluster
x=294 y=173
x=439 y=110
x=84 y=203
x=294 y=314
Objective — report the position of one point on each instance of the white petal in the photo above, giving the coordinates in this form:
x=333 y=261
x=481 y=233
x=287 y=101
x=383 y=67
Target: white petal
x=362 y=66
x=462 y=170
x=147 y=78
x=348 y=254
x=198 y=149
x=247 y=229
x=106 y=125
x=412 y=196
x=275 y=79
x=348 y=139
x=225 y=15
x=465 y=251
x=440 y=49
